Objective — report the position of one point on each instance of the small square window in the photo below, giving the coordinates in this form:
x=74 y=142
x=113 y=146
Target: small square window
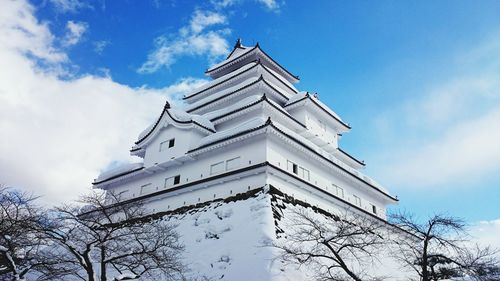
x=177 y=179
x=164 y=145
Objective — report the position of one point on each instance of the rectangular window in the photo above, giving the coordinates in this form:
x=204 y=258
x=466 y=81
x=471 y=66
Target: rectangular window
x=164 y=145
x=304 y=173
x=339 y=191
x=233 y=163
x=374 y=209
x=171 y=181
x=217 y=168
x=146 y=188
x=357 y=200
x=123 y=194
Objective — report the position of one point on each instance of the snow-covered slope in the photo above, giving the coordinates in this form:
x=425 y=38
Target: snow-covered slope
x=225 y=240
x=228 y=239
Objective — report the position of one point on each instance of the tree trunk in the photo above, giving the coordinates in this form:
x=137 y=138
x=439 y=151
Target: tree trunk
x=103 y=264
x=425 y=262
x=89 y=267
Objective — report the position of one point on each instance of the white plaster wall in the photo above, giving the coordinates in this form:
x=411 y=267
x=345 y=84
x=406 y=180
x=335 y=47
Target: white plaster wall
x=323 y=177
x=184 y=138
x=250 y=151
x=328 y=134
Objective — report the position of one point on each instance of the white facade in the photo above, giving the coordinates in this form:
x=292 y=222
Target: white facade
x=248 y=128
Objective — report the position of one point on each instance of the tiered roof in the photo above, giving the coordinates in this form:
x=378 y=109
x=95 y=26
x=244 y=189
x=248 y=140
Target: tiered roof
x=249 y=80
x=242 y=53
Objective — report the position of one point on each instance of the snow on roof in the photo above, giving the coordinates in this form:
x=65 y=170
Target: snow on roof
x=306 y=95
x=179 y=116
x=221 y=93
x=279 y=89
x=118 y=171
x=325 y=107
x=222 y=78
x=285 y=81
x=183 y=116
x=231 y=58
x=242 y=103
x=238 y=51
x=243 y=54
x=248 y=125
x=296 y=97
x=146 y=131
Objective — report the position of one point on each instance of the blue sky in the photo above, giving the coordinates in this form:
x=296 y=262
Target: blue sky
x=417 y=80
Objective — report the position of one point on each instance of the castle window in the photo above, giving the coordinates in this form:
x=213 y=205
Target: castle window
x=217 y=168
x=164 y=145
x=339 y=190
x=374 y=209
x=304 y=173
x=294 y=168
x=357 y=200
x=146 y=188
x=233 y=163
x=171 y=181
x=123 y=194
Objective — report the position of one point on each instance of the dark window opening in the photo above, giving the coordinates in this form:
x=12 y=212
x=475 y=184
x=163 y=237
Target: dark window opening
x=177 y=179
x=171 y=143
x=374 y=209
x=295 y=169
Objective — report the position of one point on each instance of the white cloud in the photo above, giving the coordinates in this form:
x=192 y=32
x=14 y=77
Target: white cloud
x=200 y=20
x=487 y=233
x=223 y=3
x=191 y=40
x=451 y=134
x=99 y=46
x=58 y=134
x=464 y=153
x=74 y=32
x=270 y=4
x=65 y=6
x=20 y=31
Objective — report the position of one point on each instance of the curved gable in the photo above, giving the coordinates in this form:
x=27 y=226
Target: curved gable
x=176 y=118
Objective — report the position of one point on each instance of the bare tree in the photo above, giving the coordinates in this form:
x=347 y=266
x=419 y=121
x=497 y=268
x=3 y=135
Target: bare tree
x=335 y=247
x=23 y=245
x=110 y=240
x=438 y=249
x=480 y=263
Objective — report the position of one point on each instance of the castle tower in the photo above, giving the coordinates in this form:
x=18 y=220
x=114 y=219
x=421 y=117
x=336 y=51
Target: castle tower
x=248 y=129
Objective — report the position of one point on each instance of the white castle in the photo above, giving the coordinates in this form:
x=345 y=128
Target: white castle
x=247 y=129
